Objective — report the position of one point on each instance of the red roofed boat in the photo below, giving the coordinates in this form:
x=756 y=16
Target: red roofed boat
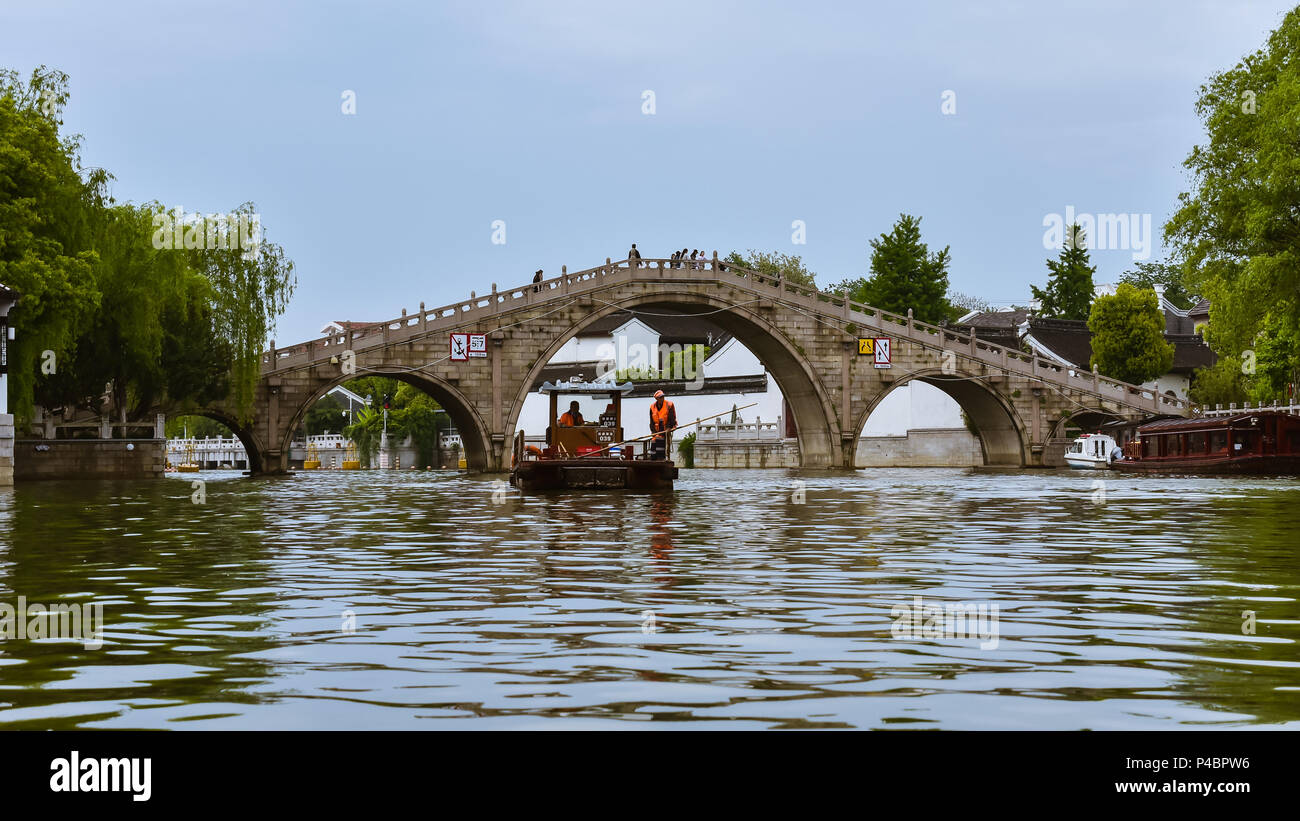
x=1261 y=442
x=589 y=455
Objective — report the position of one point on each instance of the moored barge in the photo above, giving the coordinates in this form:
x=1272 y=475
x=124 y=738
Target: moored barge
x=589 y=455
x=1258 y=442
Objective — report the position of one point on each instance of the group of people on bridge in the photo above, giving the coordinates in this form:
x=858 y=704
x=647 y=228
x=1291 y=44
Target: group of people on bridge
x=678 y=259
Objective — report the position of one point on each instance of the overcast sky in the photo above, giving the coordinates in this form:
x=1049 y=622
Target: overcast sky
x=532 y=113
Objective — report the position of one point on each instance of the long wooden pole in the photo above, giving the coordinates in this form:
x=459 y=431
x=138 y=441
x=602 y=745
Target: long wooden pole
x=665 y=433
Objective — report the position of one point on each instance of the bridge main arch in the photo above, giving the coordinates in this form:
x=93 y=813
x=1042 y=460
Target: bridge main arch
x=793 y=370
x=1002 y=433
x=471 y=427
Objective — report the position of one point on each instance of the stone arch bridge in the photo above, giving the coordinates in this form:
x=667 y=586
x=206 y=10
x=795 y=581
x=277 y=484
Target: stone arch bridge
x=807 y=339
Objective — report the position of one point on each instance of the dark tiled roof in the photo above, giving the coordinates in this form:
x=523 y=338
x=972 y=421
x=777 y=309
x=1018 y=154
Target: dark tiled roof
x=1191 y=353
x=998 y=319
x=671 y=329
x=1176 y=325
x=562 y=371
x=1072 y=341
x=349 y=325
x=1006 y=337
x=1201 y=308
x=1069 y=339
x=1205 y=422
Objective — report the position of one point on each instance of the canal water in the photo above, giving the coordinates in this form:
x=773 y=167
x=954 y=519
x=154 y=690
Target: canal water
x=742 y=599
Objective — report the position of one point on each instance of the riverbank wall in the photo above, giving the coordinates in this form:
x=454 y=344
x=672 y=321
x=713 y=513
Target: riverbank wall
x=36 y=459
x=6 y=449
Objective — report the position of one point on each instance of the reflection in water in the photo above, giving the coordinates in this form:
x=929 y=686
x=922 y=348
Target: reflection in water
x=767 y=612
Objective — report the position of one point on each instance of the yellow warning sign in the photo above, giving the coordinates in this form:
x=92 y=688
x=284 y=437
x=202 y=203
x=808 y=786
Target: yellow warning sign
x=865 y=347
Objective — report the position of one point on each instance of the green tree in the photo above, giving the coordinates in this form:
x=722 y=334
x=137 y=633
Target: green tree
x=1151 y=274
x=684 y=364
x=1276 y=354
x=1128 y=335
x=420 y=419
x=326 y=416
x=1222 y=383
x=379 y=389
x=198 y=427
x=1069 y=286
x=1236 y=232
x=775 y=264
x=905 y=274
x=47 y=202
x=250 y=288
x=686 y=447
x=366 y=433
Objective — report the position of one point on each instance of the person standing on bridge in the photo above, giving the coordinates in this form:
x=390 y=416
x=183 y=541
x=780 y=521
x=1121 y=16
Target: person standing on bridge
x=537 y=277
x=663 y=418
x=634 y=256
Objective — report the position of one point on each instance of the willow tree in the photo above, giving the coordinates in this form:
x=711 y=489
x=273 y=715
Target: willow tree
x=46 y=204
x=1237 y=232
x=251 y=283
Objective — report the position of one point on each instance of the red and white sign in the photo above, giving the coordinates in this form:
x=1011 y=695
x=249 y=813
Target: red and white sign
x=882 y=352
x=460 y=347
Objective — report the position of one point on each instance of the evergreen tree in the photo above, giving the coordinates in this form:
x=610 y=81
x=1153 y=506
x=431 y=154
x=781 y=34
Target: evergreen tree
x=1069 y=290
x=904 y=274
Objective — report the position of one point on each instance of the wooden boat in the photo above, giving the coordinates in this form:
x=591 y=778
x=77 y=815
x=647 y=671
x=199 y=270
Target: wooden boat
x=590 y=455
x=1249 y=442
x=1091 y=451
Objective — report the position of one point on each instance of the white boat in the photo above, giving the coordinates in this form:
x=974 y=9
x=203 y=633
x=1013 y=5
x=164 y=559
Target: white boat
x=1093 y=451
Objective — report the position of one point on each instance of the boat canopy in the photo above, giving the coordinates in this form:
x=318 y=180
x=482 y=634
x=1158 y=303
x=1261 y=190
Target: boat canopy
x=585 y=387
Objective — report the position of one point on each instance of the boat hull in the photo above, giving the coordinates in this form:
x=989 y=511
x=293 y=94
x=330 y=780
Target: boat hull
x=1254 y=465
x=594 y=474
x=1085 y=463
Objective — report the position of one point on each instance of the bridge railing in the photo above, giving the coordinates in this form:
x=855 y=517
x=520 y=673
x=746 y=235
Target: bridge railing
x=1233 y=410
x=481 y=307
x=741 y=431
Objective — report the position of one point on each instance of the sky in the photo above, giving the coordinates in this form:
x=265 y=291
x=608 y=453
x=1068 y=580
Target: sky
x=982 y=118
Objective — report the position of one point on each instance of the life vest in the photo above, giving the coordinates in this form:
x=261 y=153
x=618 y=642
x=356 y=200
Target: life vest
x=662 y=418
x=568 y=420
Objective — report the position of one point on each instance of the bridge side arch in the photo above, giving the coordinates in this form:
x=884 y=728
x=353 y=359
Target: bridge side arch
x=794 y=373
x=471 y=427
x=253 y=445
x=1001 y=431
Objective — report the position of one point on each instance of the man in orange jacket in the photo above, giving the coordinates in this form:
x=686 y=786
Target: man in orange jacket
x=663 y=418
x=571 y=418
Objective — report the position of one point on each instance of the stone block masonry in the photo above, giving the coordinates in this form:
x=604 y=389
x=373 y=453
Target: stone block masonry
x=89 y=459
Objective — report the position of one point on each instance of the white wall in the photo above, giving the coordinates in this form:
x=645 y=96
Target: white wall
x=914 y=405
x=1175 y=382
x=732 y=359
